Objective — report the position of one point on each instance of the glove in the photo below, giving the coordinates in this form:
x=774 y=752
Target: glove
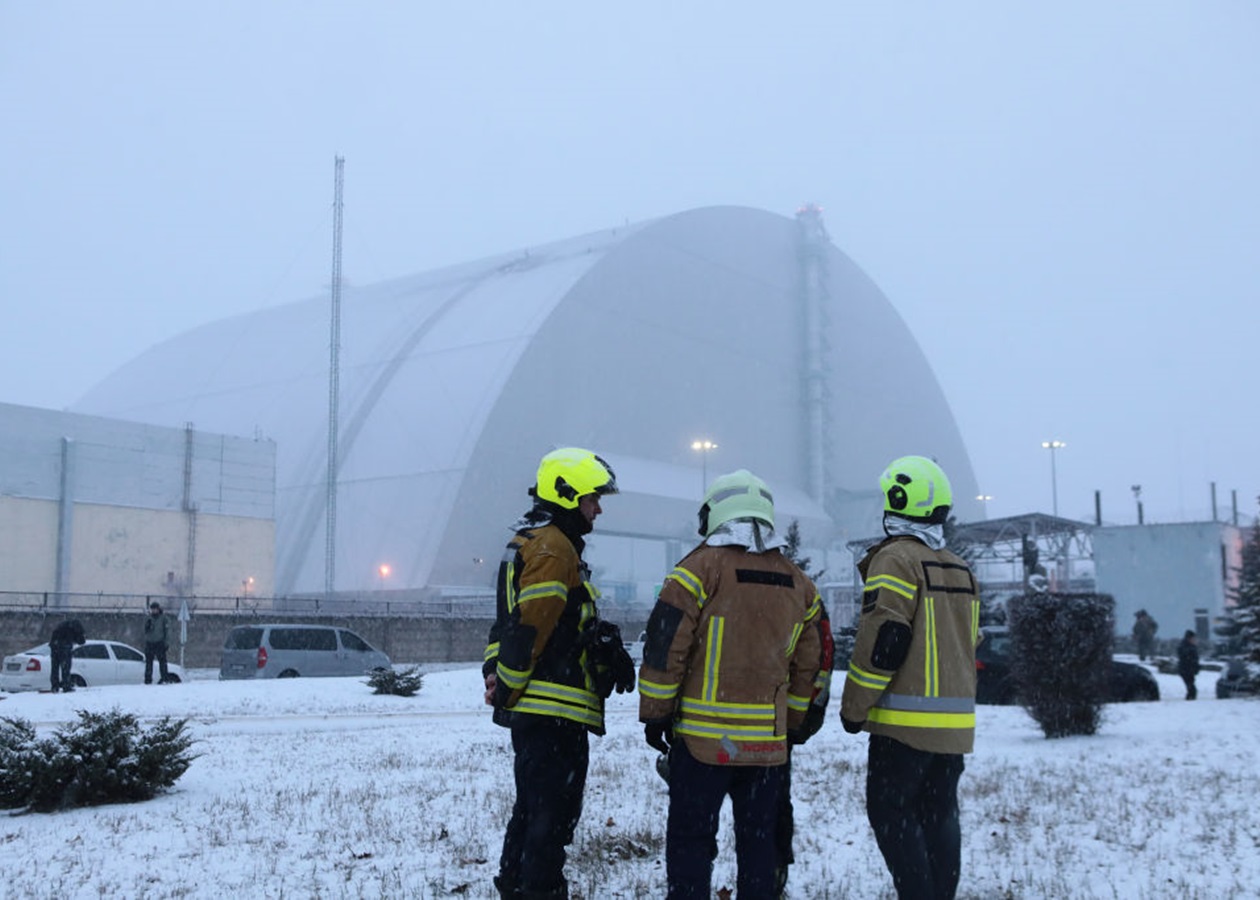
x=659 y=735
x=796 y=737
x=622 y=670
x=850 y=726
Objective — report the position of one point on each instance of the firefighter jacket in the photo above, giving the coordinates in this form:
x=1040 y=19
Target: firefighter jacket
x=733 y=654
x=912 y=676
x=544 y=602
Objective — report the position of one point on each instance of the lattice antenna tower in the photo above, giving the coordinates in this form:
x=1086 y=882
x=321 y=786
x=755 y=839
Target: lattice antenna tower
x=334 y=388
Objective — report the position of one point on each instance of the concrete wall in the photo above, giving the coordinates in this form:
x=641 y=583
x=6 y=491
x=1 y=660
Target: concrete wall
x=140 y=551
x=1169 y=570
x=28 y=544
x=406 y=640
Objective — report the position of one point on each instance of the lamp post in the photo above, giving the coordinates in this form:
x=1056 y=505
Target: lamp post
x=1052 y=446
x=984 y=500
x=383 y=570
x=703 y=447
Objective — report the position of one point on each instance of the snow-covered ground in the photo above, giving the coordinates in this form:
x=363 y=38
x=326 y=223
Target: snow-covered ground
x=318 y=788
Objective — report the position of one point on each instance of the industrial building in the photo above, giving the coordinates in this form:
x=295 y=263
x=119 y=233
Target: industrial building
x=742 y=332
x=93 y=507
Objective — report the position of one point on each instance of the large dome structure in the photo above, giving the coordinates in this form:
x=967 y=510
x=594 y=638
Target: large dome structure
x=730 y=324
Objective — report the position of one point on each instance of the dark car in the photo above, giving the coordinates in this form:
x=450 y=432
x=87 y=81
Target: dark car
x=994 y=686
x=1240 y=679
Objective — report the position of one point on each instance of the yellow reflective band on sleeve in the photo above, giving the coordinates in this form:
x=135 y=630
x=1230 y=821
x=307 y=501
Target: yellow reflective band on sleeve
x=863 y=678
x=896 y=585
x=509 y=579
x=796 y=636
x=975 y=622
x=492 y=650
x=932 y=657
x=693 y=585
x=544 y=589
x=799 y=704
x=657 y=691
x=908 y=719
x=514 y=679
x=815 y=607
x=713 y=657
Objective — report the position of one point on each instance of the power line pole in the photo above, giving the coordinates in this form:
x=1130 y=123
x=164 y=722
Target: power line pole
x=334 y=386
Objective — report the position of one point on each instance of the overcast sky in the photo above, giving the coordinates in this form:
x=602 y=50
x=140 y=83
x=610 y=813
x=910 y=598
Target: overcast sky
x=1061 y=199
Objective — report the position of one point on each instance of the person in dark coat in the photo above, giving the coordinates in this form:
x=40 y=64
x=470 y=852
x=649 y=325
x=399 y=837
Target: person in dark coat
x=64 y=637
x=1188 y=662
x=157 y=632
x=1144 y=628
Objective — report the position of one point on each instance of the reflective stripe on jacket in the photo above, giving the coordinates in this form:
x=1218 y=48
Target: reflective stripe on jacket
x=543 y=602
x=929 y=700
x=732 y=655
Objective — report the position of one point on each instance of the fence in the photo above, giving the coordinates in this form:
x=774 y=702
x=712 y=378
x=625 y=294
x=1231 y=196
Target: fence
x=365 y=605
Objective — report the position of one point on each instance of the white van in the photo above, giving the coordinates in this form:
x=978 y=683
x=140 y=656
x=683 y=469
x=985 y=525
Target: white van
x=292 y=651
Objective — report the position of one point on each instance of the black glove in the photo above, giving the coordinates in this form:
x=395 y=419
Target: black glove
x=850 y=726
x=659 y=735
x=622 y=670
x=796 y=737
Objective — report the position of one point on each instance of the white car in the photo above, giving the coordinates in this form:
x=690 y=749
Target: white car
x=95 y=663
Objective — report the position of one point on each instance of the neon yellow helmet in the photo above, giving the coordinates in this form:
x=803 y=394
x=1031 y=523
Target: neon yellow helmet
x=566 y=474
x=916 y=488
x=738 y=495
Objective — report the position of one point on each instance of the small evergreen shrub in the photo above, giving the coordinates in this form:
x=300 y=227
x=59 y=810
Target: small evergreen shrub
x=388 y=681
x=1061 y=648
x=102 y=758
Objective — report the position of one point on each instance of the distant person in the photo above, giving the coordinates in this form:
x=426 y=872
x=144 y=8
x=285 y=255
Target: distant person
x=1144 y=628
x=730 y=667
x=543 y=672
x=61 y=644
x=1188 y=662
x=912 y=682
x=157 y=631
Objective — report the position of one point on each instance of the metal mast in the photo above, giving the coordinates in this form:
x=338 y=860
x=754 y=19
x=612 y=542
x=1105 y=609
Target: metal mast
x=812 y=243
x=334 y=385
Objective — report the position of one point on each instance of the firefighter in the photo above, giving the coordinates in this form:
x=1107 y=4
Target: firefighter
x=549 y=664
x=730 y=666
x=912 y=681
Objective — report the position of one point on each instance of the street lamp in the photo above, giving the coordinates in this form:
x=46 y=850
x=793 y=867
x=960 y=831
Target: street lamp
x=383 y=570
x=1054 y=478
x=703 y=447
x=984 y=499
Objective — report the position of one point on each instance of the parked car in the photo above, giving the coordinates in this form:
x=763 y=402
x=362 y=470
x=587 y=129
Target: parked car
x=293 y=650
x=1239 y=679
x=94 y=664
x=1126 y=682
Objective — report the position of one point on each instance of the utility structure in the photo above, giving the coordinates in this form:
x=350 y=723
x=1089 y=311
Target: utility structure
x=813 y=244
x=334 y=387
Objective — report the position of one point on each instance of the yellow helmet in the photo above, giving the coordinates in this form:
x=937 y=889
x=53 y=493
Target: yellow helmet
x=566 y=474
x=916 y=488
x=737 y=495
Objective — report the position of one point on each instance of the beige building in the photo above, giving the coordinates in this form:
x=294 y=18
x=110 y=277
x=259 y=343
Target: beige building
x=90 y=506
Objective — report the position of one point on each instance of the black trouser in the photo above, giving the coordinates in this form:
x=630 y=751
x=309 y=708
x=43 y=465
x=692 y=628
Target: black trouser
x=152 y=652
x=784 y=829
x=62 y=654
x=696 y=792
x=1191 y=690
x=550 y=771
x=912 y=804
